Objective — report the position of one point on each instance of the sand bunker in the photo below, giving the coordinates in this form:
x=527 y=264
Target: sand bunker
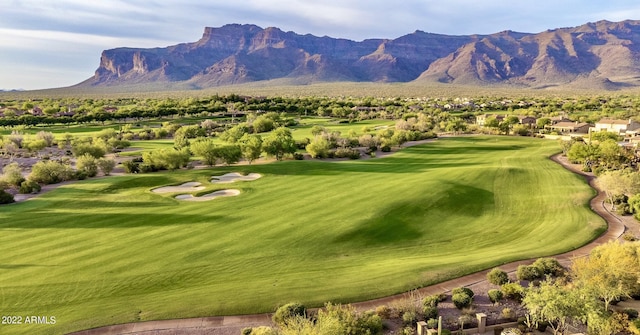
x=233 y=177
x=209 y=196
x=186 y=187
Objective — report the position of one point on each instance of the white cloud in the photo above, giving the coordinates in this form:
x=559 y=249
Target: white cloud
x=74 y=32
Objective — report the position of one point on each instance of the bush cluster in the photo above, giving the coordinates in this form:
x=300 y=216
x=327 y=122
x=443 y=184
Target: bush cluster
x=513 y=291
x=497 y=276
x=462 y=297
x=495 y=295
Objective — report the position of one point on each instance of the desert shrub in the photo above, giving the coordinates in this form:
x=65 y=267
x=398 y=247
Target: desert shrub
x=50 y=172
x=497 y=276
x=383 y=311
x=338 y=319
x=528 y=272
x=131 y=167
x=5 y=197
x=262 y=330
x=431 y=300
x=287 y=311
x=409 y=317
x=464 y=290
x=106 y=165
x=12 y=174
x=407 y=331
x=634 y=326
x=432 y=323
x=549 y=266
x=80 y=149
x=430 y=312
x=631 y=313
x=461 y=300
x=513 y=291
x=29 y=186
x=507 y=313
x=495 y=295
x=87 y=164
x=346 y=153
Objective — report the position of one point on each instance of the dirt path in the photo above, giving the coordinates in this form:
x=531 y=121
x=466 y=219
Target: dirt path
x=232 y=325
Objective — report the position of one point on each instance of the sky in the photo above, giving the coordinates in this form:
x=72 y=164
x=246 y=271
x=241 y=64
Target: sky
x=57 y=43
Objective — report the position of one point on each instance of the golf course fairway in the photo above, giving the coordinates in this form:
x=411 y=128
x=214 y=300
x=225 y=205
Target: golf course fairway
x=109 y=250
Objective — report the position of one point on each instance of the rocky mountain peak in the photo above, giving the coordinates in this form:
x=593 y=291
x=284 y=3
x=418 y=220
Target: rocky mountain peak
x=603 y=52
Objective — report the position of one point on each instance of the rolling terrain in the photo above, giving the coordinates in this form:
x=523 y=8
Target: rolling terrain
x=109 y=250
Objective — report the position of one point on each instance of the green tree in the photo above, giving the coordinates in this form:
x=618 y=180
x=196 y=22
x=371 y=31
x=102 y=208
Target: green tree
x=206 y=149
x=167 y=158
x=183 y=134
x=318 y=148
x=233 y=135
x=554 y=303
x=251 y=147
x=610 y=272
x=619 y=182
x=229 y=154
x=543 y=121
x=279 y=143
x=262 y=124
x=106 y=165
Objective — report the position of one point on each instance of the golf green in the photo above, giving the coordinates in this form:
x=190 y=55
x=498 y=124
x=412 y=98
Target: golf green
x=109 y=250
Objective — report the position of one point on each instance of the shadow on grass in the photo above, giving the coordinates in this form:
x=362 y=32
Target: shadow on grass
x=412 y=220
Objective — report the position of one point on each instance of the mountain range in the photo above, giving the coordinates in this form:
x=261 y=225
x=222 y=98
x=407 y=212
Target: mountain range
x=596 y=55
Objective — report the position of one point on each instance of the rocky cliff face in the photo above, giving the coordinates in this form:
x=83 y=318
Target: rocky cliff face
x=604 y=53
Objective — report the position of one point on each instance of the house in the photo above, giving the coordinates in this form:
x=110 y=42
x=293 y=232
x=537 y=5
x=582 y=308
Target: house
x=529 y=121
x=481 y=119
x=627 y=128
x=569 y=127
x=558 y=119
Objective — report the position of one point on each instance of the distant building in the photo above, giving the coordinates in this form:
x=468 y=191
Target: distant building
x=529 y=121
x=569 y=127
x=627 y=128
x=481 y=119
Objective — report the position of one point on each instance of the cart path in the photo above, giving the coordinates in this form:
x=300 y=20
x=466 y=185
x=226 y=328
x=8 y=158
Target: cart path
x=232 y=324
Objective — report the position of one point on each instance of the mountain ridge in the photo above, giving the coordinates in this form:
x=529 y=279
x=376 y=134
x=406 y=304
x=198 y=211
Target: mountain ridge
x=603 y=54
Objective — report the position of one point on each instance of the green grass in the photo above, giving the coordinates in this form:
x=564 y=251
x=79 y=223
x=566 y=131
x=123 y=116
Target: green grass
x=108 y=251
x=304 y=129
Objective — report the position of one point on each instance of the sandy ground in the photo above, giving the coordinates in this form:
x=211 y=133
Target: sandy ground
x=233 y=177
x=209 y=196
x=191 y=186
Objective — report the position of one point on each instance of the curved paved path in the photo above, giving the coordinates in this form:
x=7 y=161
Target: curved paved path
x=232 y=324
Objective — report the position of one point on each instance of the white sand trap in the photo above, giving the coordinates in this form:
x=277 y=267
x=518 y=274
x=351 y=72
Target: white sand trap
x=233 y=177
x=186 y=187
x=209 y=196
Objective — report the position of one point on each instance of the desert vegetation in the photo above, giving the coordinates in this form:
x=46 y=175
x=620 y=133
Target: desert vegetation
x=360 y=228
